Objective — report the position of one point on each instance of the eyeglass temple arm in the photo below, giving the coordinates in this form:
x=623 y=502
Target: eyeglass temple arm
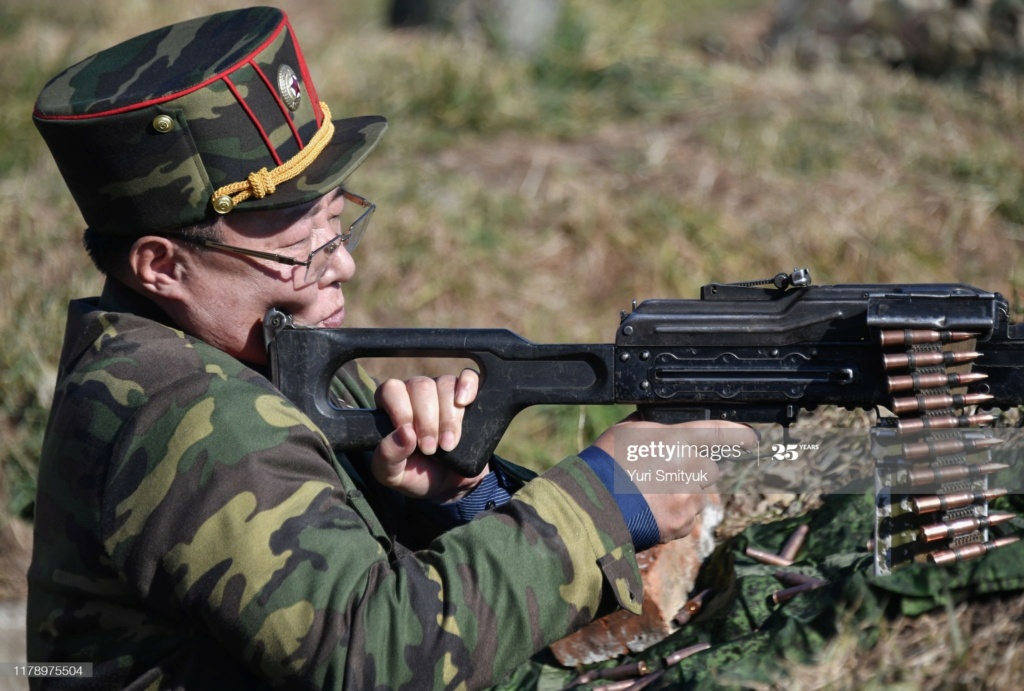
x=290 y=261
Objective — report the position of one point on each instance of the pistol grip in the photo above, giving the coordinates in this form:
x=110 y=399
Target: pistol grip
x=363 y=429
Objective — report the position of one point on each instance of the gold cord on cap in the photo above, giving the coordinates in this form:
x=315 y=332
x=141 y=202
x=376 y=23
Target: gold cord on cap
x=264 y=182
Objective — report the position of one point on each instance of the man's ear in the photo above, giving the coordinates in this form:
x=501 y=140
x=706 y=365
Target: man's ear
x=157 y=267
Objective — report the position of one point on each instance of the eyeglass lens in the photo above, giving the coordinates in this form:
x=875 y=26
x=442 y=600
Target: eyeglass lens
x=321 y=257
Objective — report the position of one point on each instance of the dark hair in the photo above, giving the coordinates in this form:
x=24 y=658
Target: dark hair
x=110 y=252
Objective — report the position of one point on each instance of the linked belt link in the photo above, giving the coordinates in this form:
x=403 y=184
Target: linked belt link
x=933 y=458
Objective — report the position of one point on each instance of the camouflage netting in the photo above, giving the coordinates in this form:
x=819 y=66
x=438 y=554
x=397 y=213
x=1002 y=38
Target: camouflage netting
x=754 y=641
x=933 y=37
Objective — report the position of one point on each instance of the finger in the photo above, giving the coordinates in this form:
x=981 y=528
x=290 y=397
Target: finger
x=467 y=387
x=391 y=455
x=393 y=397
x=423 y=395
x=449 y=413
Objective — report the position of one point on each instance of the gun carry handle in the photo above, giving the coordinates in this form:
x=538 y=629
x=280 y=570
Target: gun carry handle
x=515 y=374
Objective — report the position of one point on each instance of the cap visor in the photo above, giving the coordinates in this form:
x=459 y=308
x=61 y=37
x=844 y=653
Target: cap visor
x=353 y=140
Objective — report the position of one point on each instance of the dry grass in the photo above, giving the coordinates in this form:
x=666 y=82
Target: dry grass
x=976 y=645
x=545 y=197
x=15 y=553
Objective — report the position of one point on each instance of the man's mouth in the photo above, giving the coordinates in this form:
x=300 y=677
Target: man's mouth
x=335 y=320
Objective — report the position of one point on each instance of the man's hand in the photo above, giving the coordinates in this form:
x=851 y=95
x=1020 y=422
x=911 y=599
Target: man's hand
x=427 y=416
x=675 y=512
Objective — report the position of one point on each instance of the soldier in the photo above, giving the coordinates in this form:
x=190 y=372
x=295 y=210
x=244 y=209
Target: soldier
x=193 y=529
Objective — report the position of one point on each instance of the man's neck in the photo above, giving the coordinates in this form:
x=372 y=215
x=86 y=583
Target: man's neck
x=119 y=297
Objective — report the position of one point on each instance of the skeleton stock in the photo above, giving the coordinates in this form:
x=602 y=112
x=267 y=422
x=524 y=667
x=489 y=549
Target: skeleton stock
x=758 y=352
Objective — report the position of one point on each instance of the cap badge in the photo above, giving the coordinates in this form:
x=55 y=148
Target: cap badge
x=289 y=86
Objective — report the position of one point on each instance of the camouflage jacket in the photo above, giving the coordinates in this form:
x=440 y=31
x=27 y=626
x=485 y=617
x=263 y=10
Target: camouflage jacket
x=194 y=530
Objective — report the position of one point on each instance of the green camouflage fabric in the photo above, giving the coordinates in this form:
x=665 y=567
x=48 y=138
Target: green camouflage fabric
x=194 y=530
x=754 y=643
x=145 y=132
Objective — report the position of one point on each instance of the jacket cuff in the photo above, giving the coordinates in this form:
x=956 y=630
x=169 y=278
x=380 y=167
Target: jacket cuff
x=635 y=510
x=597 y=523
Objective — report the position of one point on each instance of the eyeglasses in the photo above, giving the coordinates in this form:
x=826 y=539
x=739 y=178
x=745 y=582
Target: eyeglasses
x=318 y=260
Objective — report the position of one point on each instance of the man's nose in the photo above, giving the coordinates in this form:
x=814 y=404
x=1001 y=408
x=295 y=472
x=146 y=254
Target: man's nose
x=340 y=268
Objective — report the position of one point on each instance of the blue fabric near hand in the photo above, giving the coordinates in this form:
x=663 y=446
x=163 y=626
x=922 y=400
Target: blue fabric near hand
x=492 y=491
x=495 y=489
x=634 y=508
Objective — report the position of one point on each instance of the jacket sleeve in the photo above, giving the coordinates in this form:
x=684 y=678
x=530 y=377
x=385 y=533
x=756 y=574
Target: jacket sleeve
x=227 y=502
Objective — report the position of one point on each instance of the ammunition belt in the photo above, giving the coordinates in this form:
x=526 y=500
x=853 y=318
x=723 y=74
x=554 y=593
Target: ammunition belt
x=933 y=459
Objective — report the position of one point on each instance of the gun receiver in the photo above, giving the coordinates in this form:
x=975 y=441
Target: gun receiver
x=742 y=352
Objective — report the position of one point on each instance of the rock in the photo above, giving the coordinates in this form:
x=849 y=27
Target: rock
x=669 y=572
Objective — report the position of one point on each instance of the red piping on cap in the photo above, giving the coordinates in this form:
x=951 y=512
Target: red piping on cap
x=314 y=99
x=255 y=121
x=280 y=104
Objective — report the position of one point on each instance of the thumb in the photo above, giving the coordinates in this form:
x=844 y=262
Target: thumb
x=390 y=456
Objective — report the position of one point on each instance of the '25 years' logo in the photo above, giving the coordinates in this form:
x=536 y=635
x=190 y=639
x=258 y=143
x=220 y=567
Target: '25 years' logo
x=790 y=452
x=785 y=452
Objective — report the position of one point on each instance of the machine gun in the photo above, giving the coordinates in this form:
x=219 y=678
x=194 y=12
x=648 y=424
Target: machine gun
x=755 y=352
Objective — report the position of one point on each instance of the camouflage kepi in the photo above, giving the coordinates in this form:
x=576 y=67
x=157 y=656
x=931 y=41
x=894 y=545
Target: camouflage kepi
x=207 y=116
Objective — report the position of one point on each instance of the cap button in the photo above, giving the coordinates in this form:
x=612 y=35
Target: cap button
x=223 y=205
x=163 y=123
